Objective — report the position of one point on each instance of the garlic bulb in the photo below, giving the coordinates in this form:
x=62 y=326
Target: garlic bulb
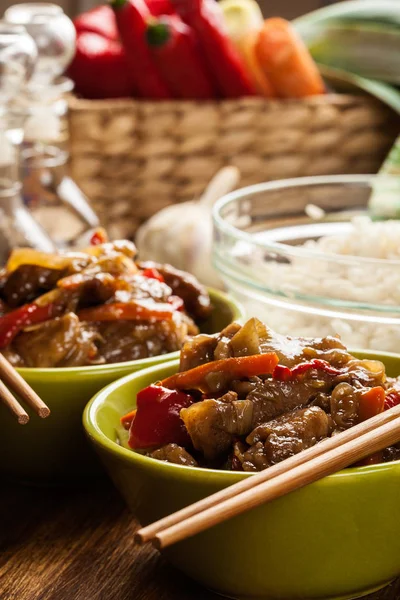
x=181 y=234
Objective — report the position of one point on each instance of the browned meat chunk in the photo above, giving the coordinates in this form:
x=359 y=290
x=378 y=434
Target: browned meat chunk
x=344 y=405
x=212 y=424
x=130 y=340
x=194 y=295
x=27 y=282
x=197 y=351
x=292 y=351
x=174 y=454
x=272 y=398
x=363 y=373
x=285 y=436
x=62 y=342
x=206 y=348
x=146 y=287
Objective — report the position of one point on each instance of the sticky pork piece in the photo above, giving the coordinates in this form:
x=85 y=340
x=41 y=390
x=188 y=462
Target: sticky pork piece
x=95 y=306
x=174 y=454
x=291 y=433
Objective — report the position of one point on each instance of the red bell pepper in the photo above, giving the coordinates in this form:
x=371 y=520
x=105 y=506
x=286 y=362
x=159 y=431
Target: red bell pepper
x=222 y=58
x=175 y=51
x=100 y=68
x=99 y=237
x=129 y=311
x=100 y=20
x=132 y=18
x=160 y=7
x=153 y=274
x=13 y=322
x=237 y=368
x=157 y=420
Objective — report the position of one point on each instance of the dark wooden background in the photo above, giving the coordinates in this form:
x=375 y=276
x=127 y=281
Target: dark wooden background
x=77 y=544
x=284 y=8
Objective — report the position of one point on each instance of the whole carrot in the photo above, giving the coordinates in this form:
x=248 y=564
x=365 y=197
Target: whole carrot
x=286 y=61
x=257 y=73
x=132 y=17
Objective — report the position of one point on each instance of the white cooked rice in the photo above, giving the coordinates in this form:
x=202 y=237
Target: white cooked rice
x=369 y=283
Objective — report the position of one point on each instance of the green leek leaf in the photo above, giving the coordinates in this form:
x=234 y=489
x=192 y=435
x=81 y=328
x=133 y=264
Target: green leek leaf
x=343 y=81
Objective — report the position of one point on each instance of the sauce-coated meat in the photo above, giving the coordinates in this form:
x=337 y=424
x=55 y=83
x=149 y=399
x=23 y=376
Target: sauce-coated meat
x=250 y=420
x=96 y=306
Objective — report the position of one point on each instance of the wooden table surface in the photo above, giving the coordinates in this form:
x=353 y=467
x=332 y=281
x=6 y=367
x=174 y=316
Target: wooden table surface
x=76 y=544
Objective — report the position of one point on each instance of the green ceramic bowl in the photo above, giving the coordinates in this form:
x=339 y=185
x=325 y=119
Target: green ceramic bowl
x=55 y=450
x=337 y=538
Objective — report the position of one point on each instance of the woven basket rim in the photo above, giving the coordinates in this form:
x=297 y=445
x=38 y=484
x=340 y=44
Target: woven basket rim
x=77 y=103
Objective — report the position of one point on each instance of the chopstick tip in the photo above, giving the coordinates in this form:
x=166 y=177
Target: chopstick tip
x=139 y=538
x=44 y=412
x=157 y=542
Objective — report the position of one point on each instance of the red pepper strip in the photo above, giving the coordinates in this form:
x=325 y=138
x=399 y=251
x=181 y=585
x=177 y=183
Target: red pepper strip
x=176 y=53
x=237 y=368
x=29 y=314
x=126 y=311
x=282 y=373
x=99 y=236
x=222 y=58
x=315 y=363
x=126 y=420
x=392 y=399
x=157 y=421
x=153 y=274
x=132 y=17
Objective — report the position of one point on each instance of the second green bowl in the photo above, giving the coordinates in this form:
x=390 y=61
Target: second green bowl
x=55 y=450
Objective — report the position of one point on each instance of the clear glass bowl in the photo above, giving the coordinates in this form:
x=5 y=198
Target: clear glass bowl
x=266 y=250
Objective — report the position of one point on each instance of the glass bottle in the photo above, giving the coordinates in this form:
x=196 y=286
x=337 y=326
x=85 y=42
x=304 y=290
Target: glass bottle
x=50 y=194
x=17 y=226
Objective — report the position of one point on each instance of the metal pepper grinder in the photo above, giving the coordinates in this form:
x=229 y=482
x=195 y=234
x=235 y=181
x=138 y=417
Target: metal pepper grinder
x=50 y=194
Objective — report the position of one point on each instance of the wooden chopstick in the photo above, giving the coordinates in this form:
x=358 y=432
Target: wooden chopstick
x=24 y=391
x=146 y=534
x=310 y=465
x=13 y=405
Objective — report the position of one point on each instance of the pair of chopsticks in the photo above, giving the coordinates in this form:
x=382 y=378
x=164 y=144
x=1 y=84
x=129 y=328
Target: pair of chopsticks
x=327 y=457
x=14 y=380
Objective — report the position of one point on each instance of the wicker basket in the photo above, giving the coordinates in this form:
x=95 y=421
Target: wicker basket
x=133 y=158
